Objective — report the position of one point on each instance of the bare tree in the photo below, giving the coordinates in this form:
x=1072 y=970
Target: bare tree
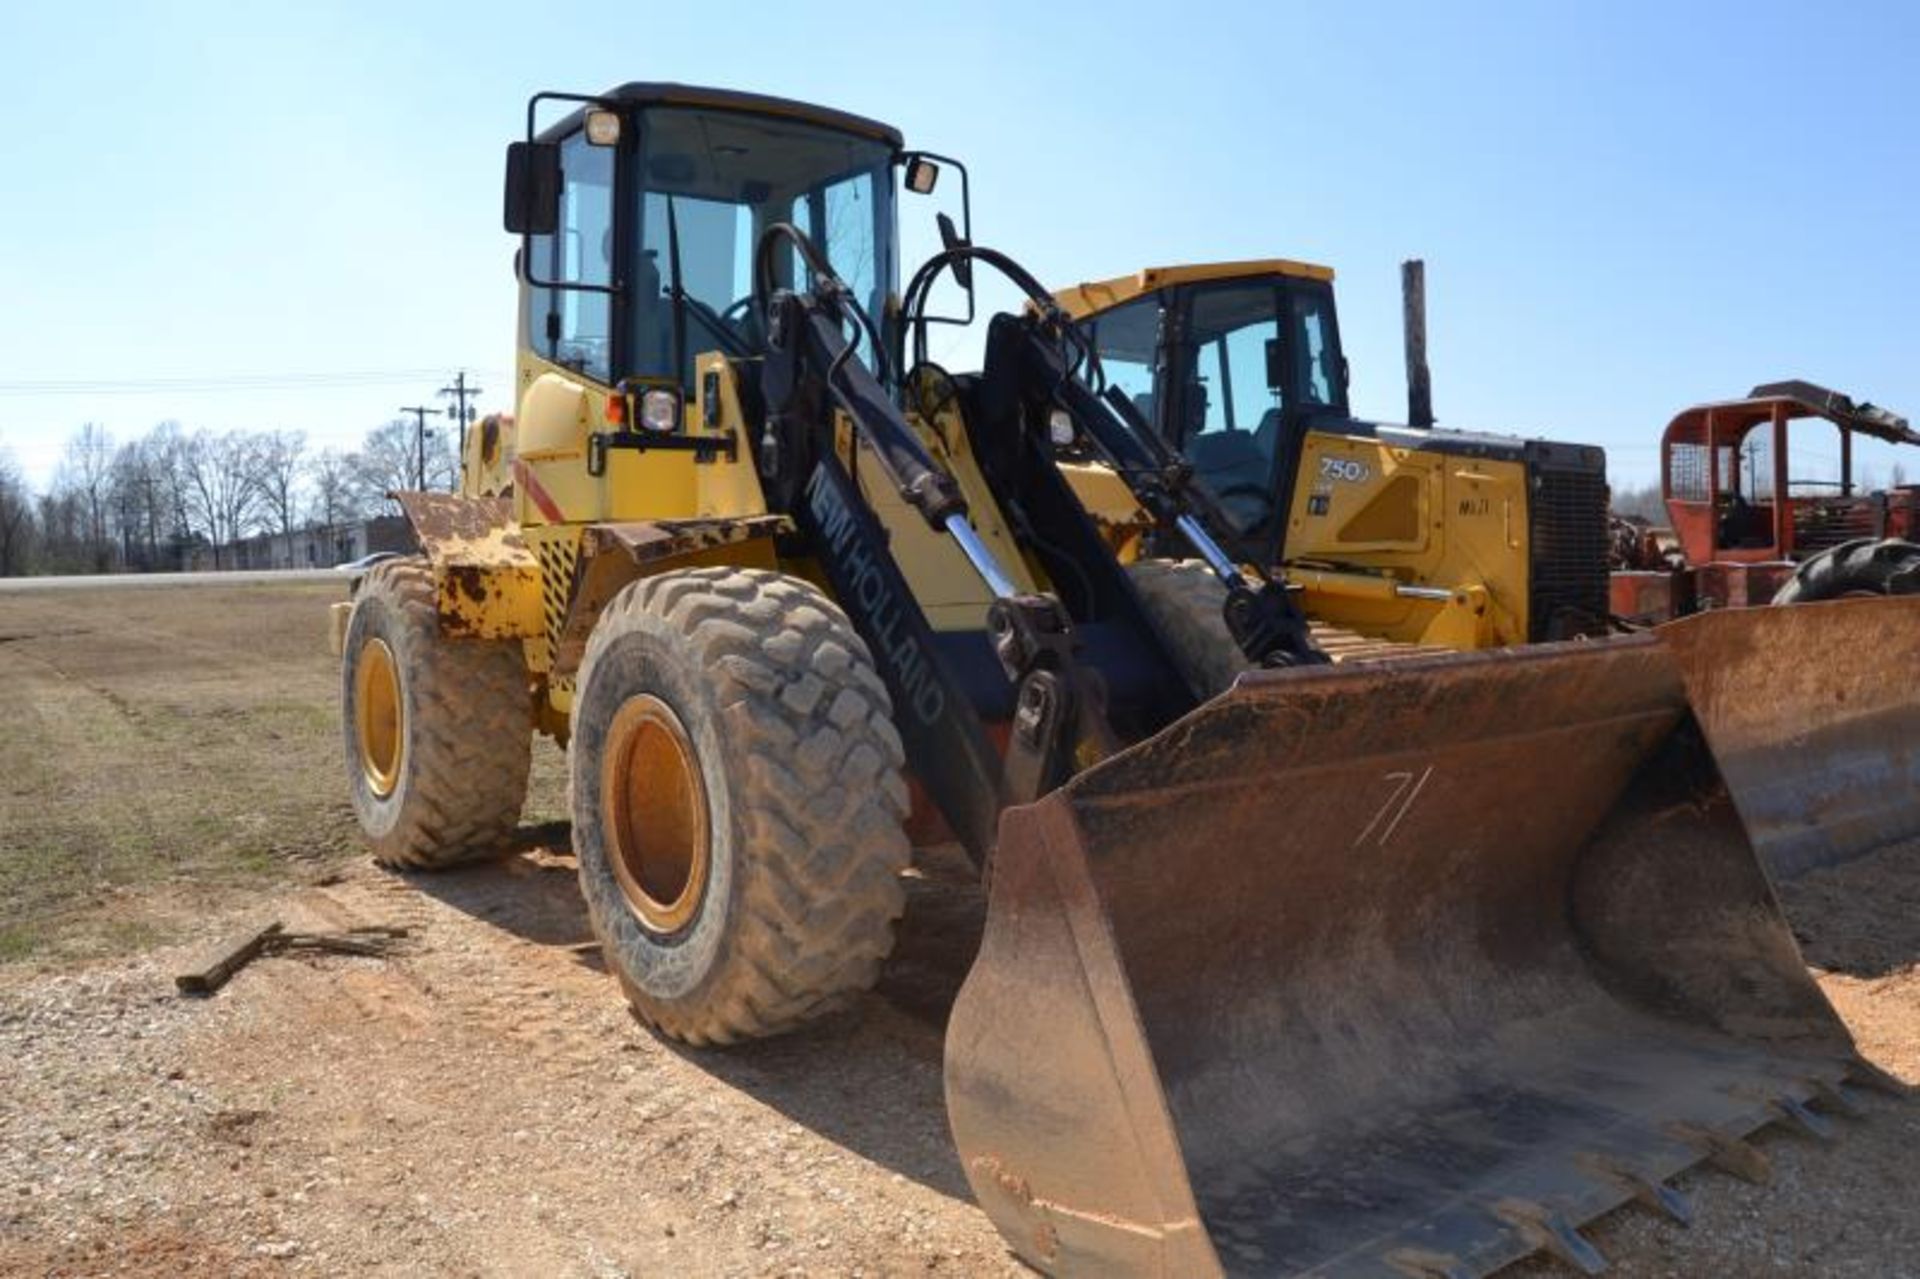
x=332 y=479
x=86 y=471
x=277 y=465
x=387 y=461
x=222 y=496
x=16 y=520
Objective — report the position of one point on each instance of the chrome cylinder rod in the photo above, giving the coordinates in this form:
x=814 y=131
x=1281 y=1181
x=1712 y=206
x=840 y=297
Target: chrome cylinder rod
x=981 y=558
x=1209 y=550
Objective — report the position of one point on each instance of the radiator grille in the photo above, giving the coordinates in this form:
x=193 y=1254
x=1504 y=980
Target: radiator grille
x=1567 y=581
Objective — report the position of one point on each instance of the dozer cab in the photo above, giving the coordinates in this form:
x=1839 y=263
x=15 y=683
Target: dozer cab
x=1276 y=978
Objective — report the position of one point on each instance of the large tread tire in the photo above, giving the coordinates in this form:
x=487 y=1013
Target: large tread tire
x=467 y=728
x=1865 y=566
x=1187 y=603
x=792 y=735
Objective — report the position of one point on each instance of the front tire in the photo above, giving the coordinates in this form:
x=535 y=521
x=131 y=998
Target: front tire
x=737 y=803
x=1864 y=566
x=438 y=732
x=1188 y=604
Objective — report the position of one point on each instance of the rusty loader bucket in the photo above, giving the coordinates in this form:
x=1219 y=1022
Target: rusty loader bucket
x=1394 y=971
x=1813 y=713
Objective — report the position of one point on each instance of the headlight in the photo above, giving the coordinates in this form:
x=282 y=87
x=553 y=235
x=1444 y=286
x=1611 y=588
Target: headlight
x=660 y=411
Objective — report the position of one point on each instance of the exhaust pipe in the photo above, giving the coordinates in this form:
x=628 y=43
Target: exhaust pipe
x=1413 y=312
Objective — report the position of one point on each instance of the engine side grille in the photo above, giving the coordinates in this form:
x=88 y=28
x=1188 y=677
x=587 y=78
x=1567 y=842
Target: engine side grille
x=1567 y=516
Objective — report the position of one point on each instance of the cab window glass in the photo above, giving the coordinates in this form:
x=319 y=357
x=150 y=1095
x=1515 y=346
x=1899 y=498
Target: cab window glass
x=1232 y=412
x=1125 y=338
x=1319 y=376
x=571 y=326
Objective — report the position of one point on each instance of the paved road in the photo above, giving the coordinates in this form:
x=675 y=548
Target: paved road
x=263 y=577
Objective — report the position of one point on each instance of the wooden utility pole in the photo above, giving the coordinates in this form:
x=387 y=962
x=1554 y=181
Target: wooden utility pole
x=419 y=412
x=1413 y=305
x=458 y=410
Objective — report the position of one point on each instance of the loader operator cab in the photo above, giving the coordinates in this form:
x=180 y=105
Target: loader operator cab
x=1230 y=363
x=663 y=193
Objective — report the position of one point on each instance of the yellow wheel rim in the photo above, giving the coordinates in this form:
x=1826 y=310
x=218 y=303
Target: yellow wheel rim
x=653 y=808
x=378 y=717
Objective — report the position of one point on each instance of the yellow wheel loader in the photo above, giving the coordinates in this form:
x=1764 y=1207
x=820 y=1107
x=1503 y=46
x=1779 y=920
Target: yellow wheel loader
x=1399 y=969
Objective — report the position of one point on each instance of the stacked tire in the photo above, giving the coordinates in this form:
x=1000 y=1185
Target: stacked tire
x=1865 y=566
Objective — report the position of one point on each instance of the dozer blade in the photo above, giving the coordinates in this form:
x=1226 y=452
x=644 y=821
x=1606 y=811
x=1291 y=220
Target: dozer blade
x=1813 y=715
x=1398 y=971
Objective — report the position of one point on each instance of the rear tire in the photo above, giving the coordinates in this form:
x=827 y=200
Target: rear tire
x=1862 y=567
x=1187 y=603
x=737 y=803
x=438 y=731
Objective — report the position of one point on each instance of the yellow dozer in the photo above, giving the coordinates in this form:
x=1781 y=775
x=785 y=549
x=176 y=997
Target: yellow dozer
x=1402 y=969
x=1452 y=539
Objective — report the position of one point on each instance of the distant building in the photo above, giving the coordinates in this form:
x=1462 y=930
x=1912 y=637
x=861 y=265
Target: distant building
x=314 y=547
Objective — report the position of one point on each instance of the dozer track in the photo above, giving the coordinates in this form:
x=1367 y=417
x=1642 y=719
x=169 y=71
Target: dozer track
x=1382 y=970
x=1342 y=645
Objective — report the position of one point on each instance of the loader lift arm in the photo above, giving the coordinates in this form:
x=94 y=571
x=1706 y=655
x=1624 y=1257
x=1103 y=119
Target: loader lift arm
x=1034 y=364
x=810 y=367
x=1062 y=711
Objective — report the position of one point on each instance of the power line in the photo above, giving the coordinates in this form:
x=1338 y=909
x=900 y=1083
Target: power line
x=216 y=383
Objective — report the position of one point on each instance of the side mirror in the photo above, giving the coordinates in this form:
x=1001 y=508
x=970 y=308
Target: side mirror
x=533 y=188
x=950 y=238
x=922 y=175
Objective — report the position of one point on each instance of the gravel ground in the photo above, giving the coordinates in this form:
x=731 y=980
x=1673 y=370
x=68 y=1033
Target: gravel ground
x=482 y=1104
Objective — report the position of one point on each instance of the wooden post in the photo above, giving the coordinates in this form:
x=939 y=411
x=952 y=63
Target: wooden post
x=212 y=972
x=1413 y=307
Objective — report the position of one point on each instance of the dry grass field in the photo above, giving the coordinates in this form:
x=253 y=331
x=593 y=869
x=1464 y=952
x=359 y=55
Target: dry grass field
x=481 y=1103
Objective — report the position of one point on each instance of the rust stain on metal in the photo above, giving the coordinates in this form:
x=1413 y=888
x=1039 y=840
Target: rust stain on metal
x=653 y=540
x=1812 y=714
x=612 y=555
x=488 y=580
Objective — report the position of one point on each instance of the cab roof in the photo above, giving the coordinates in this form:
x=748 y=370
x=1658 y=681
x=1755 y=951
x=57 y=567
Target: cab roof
x=1082 y=300
x=1734 y=418
x=663 y=93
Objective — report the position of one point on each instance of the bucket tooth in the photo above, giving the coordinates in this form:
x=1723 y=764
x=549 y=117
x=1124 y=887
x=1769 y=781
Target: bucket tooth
x=1835 y=1096
x=1419 y=1263
x=1729 y=1154
x=1552 y=1233
x=1794 y=1113
x=1648 y=1190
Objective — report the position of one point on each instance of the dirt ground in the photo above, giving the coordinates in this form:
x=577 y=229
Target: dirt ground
x=482 y=1103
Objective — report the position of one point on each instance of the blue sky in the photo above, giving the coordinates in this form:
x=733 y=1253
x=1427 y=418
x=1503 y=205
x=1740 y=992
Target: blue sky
x=1625 y=208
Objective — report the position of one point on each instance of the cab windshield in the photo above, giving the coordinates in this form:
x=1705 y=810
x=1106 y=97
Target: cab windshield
x=1216 y=367
x=708 y=182
x=713 y=181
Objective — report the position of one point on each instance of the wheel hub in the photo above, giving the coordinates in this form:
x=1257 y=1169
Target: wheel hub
x=379 y=717
x=653 y=807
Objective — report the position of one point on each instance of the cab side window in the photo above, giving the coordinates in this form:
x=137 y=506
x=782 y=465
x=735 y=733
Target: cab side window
x=572 y=327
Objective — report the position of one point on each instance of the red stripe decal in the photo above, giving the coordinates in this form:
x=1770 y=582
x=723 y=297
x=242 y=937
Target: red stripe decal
x=523 y=476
